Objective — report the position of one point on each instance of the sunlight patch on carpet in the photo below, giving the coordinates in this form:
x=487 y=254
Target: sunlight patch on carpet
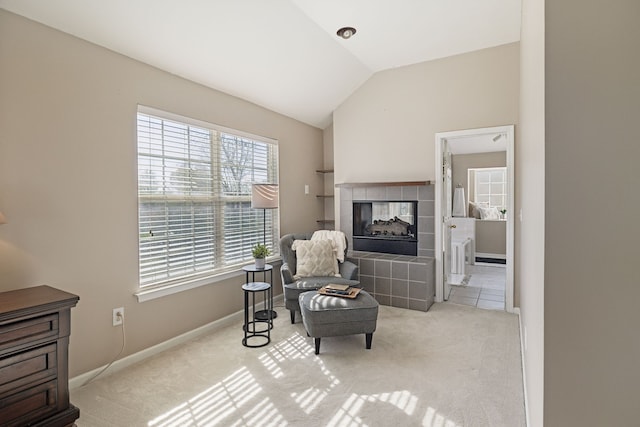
x=294 y=347
x=271 y=365
x=214 y=405
x=433 y=419
x=309 y=399
x=347 y=415
x=264 y=414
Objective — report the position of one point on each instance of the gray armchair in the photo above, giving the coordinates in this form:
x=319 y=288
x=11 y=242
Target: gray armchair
x=293 y=288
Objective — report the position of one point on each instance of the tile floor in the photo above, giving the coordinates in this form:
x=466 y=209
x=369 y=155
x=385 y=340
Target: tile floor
x=485 y=288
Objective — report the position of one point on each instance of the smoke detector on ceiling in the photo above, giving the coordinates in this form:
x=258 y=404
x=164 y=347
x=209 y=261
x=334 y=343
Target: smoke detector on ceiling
x=346 y=32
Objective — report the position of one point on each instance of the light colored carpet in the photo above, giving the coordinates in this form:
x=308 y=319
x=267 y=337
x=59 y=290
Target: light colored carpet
x=451 y=366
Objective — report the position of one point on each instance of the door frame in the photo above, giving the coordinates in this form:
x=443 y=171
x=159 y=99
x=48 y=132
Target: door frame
x=440 y=137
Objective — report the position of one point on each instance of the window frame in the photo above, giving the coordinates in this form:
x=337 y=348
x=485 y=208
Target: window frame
x=473 y=183
x=219 y=198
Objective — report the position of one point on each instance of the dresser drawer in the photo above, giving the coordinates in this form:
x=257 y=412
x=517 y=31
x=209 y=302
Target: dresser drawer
x=29 y=405
x=35 y=325
x=20 y=334
x=30 y=367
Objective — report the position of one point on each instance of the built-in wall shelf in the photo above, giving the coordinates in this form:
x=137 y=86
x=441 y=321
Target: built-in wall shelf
x=326 y=221
x=327 y=200
x=382 y=184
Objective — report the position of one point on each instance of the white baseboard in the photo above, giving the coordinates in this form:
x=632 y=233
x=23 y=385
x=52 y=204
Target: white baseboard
x=488 y=255
x=120 y=364
x=516 y=310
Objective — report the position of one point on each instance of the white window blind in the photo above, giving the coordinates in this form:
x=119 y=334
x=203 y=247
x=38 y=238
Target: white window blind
x=194 y=198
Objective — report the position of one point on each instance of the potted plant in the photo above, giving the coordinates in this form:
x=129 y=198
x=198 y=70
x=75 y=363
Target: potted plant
x=504 y=213
x=260 y=252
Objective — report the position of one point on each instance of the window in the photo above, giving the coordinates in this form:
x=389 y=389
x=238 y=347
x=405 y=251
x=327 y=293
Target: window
x=194 y=197
x=489 y=187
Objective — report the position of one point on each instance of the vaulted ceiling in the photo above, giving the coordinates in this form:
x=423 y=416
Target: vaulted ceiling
x=282 y=54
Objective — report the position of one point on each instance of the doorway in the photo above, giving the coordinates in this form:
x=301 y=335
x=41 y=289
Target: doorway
x=471 y=141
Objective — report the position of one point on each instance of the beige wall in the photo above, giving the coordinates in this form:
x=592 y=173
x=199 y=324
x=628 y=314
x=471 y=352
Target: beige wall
x=592 y=281
x=385 y=131
x=68 y=182
x=530 y=197
x=461 y=163
x=327 y=143
x=491 y=237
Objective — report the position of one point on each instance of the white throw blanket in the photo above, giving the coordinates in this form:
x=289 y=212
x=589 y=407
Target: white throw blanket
x=339 y=241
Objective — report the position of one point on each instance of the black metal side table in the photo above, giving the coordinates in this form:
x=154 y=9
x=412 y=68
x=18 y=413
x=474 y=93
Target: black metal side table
x=251 y=269
x=251 y=322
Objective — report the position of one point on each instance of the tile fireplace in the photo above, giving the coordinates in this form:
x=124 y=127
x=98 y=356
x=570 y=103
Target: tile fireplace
x=405 y=211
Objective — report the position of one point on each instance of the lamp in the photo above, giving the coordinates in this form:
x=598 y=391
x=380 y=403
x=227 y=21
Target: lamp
x=264 y=196
x=459 y=202
x=3 y=219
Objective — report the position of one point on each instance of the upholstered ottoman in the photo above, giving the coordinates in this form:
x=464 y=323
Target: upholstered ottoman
x=329 y=316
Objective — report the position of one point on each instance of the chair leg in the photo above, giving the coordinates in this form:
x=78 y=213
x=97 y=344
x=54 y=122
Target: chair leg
x=292 y=313
x=368 y=339
x=317 y=341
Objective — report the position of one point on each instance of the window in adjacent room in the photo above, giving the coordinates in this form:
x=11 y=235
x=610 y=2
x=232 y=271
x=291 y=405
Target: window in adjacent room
x=194 y=197
x=488 y=191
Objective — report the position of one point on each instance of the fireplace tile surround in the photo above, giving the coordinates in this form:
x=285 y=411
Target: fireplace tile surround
x=396 y=280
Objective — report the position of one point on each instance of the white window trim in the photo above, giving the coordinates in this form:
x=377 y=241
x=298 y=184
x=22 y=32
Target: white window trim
x=144 y=295
x=195 y=122
x=150 y=293
x=475 y=183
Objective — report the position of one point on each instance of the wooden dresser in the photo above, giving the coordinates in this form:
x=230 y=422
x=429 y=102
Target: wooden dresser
x=34 y=348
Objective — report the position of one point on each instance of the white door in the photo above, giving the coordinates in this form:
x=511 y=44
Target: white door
x=446 y=218
x=446 y=143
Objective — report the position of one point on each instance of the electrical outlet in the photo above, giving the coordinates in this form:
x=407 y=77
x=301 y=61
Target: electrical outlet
x=306 y=189
x=118 y=316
